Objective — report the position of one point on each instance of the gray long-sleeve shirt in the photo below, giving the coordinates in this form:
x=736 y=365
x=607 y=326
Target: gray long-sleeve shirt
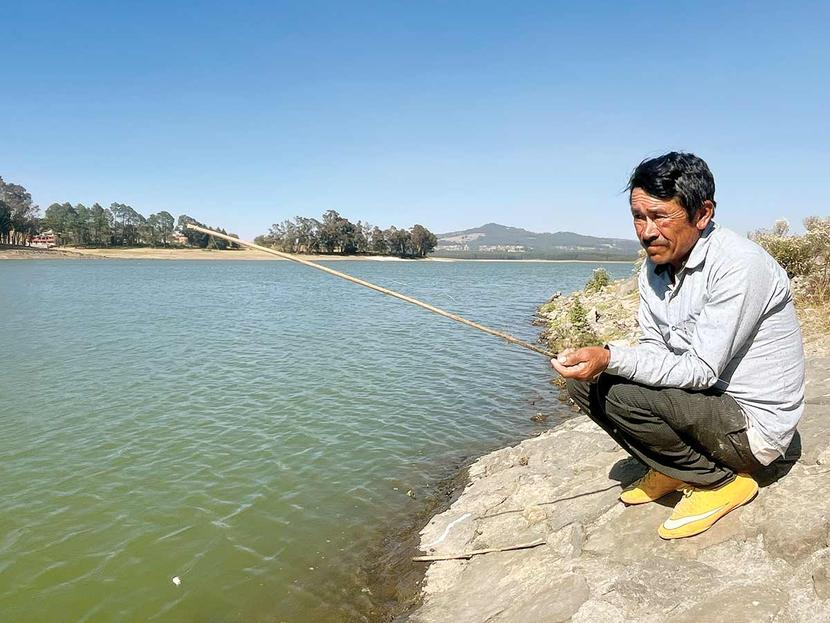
x=726 y=320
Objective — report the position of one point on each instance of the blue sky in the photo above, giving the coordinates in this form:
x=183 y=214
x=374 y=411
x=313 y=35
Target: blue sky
x=450 y=114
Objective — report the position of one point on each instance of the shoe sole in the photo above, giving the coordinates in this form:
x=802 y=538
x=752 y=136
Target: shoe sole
x=637 y=503
x=718 y=517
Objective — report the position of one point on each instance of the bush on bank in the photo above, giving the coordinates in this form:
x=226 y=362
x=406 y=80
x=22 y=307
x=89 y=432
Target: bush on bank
x=805 y=257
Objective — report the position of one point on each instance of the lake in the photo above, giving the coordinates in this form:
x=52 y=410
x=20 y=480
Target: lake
x=249 y=428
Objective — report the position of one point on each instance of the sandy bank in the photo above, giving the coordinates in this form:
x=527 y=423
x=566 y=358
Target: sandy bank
x=31 y=253
x=146 y=253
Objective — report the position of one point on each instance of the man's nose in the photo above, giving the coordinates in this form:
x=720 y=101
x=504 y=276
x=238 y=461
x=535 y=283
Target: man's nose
x=650 y=230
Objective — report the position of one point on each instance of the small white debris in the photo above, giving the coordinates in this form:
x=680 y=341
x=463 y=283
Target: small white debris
x=177 y=580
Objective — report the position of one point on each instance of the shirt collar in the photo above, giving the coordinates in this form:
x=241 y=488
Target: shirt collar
x=697 y=254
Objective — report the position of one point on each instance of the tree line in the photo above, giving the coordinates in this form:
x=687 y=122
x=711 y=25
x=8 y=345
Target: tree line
x=117 y=226
x=336 y=234
x=121 y=225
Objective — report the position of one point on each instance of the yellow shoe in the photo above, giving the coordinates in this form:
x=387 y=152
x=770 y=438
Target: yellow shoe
x=649 y=488
x=701 y=508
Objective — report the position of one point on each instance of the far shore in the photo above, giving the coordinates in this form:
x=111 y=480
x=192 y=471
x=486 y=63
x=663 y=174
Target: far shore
x=148 y=253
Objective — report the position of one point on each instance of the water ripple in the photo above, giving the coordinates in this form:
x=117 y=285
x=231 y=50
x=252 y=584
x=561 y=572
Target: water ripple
x=245 y=426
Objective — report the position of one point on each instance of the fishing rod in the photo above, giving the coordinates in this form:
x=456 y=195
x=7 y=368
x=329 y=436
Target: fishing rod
x=371 y=286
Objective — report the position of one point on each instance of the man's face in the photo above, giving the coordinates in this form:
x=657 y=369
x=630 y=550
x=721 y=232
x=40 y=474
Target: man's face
x=664 y=229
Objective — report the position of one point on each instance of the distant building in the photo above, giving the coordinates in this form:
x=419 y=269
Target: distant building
x=502 y=248
x=44 y=241
x=179 y=238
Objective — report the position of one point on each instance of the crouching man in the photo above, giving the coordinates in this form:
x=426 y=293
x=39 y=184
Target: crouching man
x=715 y=387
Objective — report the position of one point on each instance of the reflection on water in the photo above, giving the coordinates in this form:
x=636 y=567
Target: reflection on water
x=246 y=427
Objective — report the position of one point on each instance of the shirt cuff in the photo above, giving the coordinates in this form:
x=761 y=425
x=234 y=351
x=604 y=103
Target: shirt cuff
x=622 y=361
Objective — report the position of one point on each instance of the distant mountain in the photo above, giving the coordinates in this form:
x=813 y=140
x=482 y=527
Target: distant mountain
x=501 y=242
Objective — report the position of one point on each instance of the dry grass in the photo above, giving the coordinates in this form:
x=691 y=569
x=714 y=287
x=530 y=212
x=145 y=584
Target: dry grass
x=815 y=328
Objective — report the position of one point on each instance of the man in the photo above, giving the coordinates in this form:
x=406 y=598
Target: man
x=715 y=387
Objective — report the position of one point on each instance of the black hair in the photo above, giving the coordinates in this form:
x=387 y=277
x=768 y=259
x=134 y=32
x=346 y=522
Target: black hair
x=676 y=174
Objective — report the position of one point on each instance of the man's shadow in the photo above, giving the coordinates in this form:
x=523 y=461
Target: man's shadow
x=628 y=470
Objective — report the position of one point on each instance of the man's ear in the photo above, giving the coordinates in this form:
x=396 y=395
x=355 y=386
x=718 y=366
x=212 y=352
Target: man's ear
x=704 y=215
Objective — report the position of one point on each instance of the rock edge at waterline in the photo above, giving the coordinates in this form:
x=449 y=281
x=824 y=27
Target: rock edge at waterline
x=604 y=563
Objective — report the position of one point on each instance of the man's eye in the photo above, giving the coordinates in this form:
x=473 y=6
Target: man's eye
x=638 y=217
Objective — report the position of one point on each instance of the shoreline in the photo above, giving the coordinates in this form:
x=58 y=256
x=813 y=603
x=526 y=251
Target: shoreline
x=561 y=487
x=395 y=581
x=601 y=562
x=149 y=253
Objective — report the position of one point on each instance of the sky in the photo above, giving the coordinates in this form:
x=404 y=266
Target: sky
x=449 y=114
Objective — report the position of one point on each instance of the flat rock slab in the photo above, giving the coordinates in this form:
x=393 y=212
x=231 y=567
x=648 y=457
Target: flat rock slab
x=604 y=563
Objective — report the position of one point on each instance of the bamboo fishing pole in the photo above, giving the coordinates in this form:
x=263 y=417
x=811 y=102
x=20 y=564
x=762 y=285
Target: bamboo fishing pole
x=371 y=286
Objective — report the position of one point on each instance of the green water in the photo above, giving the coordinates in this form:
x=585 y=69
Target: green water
x=248 y=427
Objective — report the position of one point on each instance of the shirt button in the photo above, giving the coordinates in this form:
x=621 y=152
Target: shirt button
x=673 y=328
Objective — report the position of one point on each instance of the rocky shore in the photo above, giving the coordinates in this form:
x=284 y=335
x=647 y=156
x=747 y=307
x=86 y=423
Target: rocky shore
x=599 y=561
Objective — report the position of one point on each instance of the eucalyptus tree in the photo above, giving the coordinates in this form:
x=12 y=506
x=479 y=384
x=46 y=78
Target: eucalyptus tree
x=337 y=234
x=423 y=241
x=62 y=218
x=164 y=225
x=360 y=237
x=284 y=236
x=365 y=240
x=150 y=230
x=400 y=241
x=22 y=212
x=330 y=231
x=194 y=238
x=100 y=223
x=379 y=244
x=308 y=235
x=133 y=226
x=127 y=231
x=118 y=211
x=82 y=225
x=219 y=243
x=349 y=237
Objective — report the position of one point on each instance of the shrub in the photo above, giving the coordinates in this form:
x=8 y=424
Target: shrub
x=792 y=252
x=598 y=280
x=806 y=258
x=567 y=324
x=580 y=333
x=818 y=238
x=577 y=315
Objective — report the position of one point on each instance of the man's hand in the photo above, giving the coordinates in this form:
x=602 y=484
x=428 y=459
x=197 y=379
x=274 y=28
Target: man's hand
x=584 y=364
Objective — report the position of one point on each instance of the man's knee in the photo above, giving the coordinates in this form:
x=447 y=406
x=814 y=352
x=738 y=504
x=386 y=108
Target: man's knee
x=580 y=393
x=625 y=397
